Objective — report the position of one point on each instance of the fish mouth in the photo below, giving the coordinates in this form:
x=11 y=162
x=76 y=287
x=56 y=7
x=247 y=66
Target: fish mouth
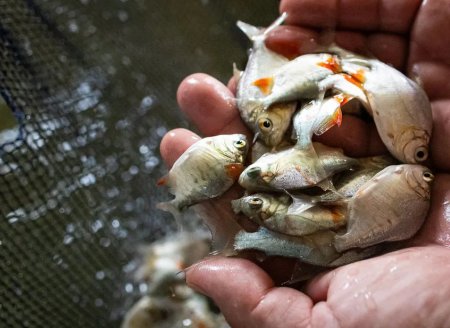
x=253 y=172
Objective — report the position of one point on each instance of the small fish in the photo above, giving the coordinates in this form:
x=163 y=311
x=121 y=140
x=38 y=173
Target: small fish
x=400 y=107
x=270 y=125
x=165 y=258
x=298 y=79
x=295 y=168
x=296 y=217
x=205 y=170
x=347 y=183
x=389 y=207
x=316 y=117
x=316 y=248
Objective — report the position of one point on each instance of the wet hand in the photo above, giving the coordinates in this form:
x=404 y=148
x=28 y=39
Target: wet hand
x=389 y=289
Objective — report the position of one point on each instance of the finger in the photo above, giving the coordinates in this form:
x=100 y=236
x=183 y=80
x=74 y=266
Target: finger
x=384 y=15
x=246 y=295
x=175 y=143
x=356 y=137
x=436 y=229
x=440 y=139
x=210 y=105
x=434 y=77
x=293 y=41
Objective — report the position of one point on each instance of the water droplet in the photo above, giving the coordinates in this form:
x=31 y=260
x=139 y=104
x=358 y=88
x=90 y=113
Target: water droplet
x=133 y=170
x=143 y=149
x=99 y=302
x=369 y=300
x=73 y=26
x=96 y=225
x=161 y=131
x=143 y=288
x=394 y=268
x=100 y=275
x=88 y=179
x=68 y=239
x=187 y=322
x=129 y=288
x=123 y=15
x=115 y=223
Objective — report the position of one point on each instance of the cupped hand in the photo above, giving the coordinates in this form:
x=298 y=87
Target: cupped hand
x=400 y=289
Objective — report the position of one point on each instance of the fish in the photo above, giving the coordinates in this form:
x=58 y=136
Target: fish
x=268 y=124
x=295 y=168
x=205 y=170
x=165 y=258
x=347 y=183
x=399 y=106
x=317 y=248
x=317 y=117
x=290 y=215
x=297 y=79
x=389 y=207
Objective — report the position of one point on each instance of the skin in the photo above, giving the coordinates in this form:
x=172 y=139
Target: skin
x=389 y=290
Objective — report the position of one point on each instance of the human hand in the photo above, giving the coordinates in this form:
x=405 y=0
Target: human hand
x=402 y=288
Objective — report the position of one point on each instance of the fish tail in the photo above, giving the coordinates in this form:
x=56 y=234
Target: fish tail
x=253 y=32
x=173 y=209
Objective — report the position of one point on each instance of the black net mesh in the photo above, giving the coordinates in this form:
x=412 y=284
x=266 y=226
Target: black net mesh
x=87 y=91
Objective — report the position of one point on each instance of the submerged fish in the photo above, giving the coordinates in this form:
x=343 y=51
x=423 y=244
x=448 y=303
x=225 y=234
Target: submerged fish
x=295 y=168
x=269 y=125
x=391 y=206
x=296 y=217
x=205 y=170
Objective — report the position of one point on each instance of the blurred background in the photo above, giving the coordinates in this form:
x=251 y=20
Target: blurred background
x=87 y=90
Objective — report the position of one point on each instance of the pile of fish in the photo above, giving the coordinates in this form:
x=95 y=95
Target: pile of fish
x=168 y=301
x=311 y=201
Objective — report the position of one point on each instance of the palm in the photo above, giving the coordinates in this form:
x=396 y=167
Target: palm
x=388 y=289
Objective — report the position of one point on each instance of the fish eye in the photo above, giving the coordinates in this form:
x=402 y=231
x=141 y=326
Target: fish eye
x=421 y=154
x=255 y=202
x=239 y=144
x=428 y=176
x=265 y=124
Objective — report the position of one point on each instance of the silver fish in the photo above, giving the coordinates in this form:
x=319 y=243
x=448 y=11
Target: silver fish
x=316 y=248
x=295 y=168
x=316 y=117
x=347 y=183
x=270 y=125
x=297 y=79
x=205 y=170
x=296 y=217
x=391 y=206
x=399 y=106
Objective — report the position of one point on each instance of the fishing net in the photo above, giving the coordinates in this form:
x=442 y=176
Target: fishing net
x=87 y=91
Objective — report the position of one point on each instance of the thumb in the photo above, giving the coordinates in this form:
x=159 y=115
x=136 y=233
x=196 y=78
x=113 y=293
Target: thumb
x=246 y=294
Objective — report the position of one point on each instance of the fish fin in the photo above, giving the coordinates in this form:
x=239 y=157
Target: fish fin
x=249 y=30
x=222 y=225
x=330 y=120
x=264 y=84
x=332 y=64
x=346 y=84
x=253 y=32
x=299 y=204
x=234 y=170
x=237 y=73
x=173 y=209
x=163 y=181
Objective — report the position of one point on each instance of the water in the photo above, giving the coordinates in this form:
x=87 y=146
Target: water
x=83 y=180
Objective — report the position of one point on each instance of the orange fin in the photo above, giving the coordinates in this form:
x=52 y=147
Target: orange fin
x=163 y=181
x=342 y=99
x=265 y=85
x=353 y=80
x=234 y=170
x=337 y=117
x=359 y=75
x=332 y=64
